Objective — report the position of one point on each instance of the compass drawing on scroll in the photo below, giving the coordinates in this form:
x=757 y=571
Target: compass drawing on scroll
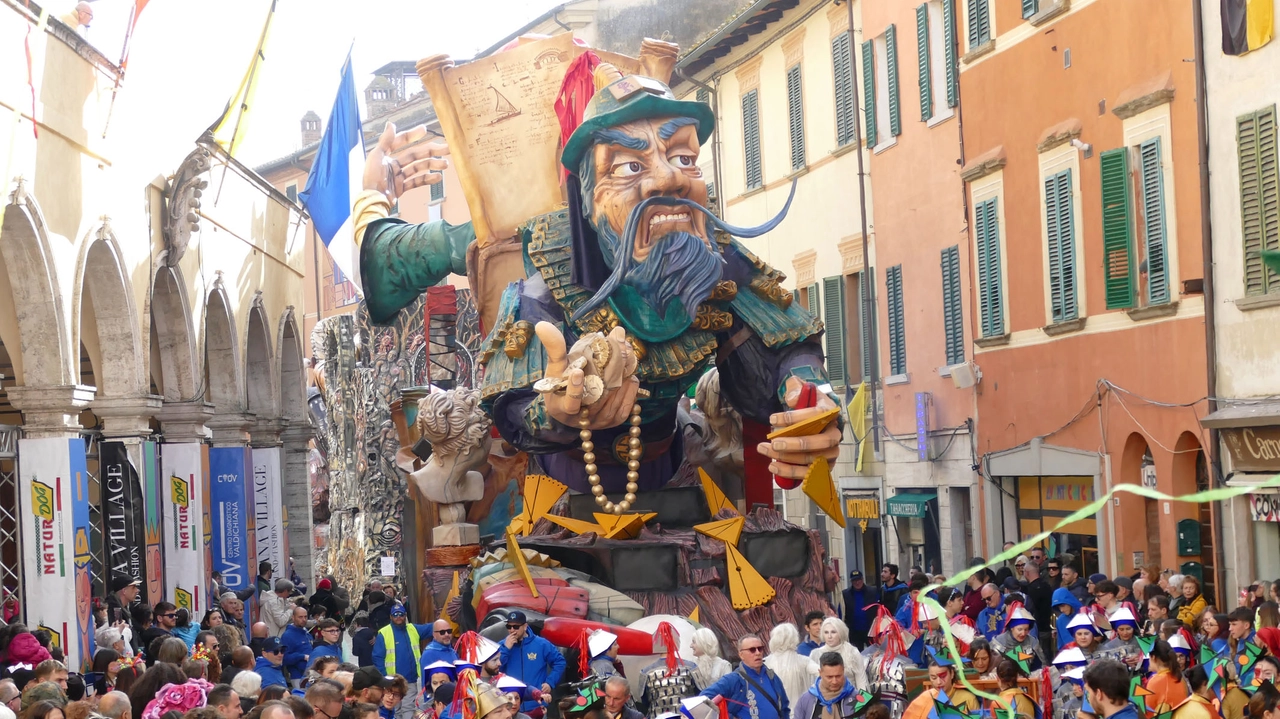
x=503 y=107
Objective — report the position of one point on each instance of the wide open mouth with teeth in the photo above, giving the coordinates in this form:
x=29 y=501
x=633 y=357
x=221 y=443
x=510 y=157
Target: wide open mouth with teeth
x=658 y=221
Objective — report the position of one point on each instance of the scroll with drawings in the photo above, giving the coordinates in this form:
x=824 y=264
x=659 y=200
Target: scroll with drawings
x=498 y=116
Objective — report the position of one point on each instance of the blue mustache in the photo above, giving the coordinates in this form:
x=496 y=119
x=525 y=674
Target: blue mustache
x=625 y=260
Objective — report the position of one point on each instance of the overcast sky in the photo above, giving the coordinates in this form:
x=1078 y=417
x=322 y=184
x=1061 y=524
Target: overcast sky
x=189 y=56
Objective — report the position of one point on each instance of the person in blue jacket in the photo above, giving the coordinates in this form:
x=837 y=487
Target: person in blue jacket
x=1067 y=606
x=268 y=665
x=440 y=649
x=531 y=659
x=991 y=619
x=296 y=641
x=330 y=642
x=753 y=691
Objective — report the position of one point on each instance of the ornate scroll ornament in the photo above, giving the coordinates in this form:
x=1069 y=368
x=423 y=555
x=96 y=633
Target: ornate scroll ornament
x=182 y=204
x=712 y=319
x=768 y=288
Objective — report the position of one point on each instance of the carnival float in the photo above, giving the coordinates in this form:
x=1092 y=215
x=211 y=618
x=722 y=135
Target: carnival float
x=578 y=434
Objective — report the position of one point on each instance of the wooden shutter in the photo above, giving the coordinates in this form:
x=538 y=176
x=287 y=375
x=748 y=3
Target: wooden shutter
x=1061 y=232
x=811 y=293
x=842 y=71
x=437 y=191
x=1153 y=222
x=1259 y=197
x=949 y=53
x=952 y=314
x=979 y=23
x=703 y=96
x=866 y=320
x=891 y=66
x=869 y=91
x=795 y=117
x=751 y=139
x=1030 y=7
x=922 y=56
x=1117 y=234
x=833 y=320
x=897 y=323
x=987 y=226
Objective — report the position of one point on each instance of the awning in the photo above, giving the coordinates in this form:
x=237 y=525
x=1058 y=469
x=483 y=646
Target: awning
x=1243 y=414
x=1253 y=481
x=909 y=505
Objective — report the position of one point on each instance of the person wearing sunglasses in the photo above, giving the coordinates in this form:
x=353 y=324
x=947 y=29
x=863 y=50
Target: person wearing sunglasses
x=753 y=691
x=531 y=659
x=991 y=619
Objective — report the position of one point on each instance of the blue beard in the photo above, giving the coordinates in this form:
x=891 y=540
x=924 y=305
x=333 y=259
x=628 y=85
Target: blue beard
x=680 y=265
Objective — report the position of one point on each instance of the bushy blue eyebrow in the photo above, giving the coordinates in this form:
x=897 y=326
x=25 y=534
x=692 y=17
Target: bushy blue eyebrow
x=611 y=136
x=670 y=127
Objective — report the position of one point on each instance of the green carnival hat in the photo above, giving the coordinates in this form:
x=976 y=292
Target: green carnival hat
x=633 y=97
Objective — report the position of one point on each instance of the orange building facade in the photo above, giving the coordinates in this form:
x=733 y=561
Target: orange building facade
x=909 y=95
x=1079 y=144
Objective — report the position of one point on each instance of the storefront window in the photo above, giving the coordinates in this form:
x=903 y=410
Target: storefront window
x=1043 y=502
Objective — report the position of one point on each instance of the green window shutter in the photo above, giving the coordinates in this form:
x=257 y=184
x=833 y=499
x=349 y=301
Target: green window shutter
x=949 y=52
x=795 y=116
x=1030 y=7
x=813 y=299
x=751 y=139
x=842 y=72
x=437 y=191
x=897 y=322
x=987 y=226
x=833 y=320
x=866 y=321
x=869 y=91
x=1153 y=222
x=979 y=23
x=703 y=96
x=1061 y=231
x=1117 y=233
x=1259 y=200
x=922 y=53
x=952 y=314
x=891 y=65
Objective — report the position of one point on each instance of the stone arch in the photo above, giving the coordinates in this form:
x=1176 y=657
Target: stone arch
x=1137 y=518
x=173 y=342
x=259 y=365
x=293 y=377
x=224 y=379
x=107 y=320
x=41 y=352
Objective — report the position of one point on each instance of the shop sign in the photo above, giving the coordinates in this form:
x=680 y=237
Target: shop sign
x=1253 y=449
x=861 y=508
x=1264 y=507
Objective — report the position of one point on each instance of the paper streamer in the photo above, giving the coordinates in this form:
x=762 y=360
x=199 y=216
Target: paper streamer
x=1209 y=495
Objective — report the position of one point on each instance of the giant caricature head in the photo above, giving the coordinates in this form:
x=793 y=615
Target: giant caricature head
x=636 y=157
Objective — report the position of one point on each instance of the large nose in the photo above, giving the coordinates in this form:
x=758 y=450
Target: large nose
x=664 y=180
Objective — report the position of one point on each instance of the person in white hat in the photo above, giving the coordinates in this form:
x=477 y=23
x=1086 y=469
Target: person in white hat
x=603 y=646
x=1088 y=638
x=1017 y=635
x=1124 y=646
x=489 y=659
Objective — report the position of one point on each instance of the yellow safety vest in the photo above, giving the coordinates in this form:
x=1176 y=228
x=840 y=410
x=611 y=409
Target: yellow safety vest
x=389 y=641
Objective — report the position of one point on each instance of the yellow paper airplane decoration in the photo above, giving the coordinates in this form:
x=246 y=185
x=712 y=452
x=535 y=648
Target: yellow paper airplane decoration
x=716 y=500
x=726 y=530
x=540 y=494
x=623 y=526
x=516 y=557
x=577 y=526
x=813 y=425
x=822 y=490
x=454 y=591
x=693 y=616
x=747 y=588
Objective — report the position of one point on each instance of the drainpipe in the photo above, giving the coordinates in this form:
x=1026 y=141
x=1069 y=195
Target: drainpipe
x=1210 y=313
x=715 y=144
x=868 y=278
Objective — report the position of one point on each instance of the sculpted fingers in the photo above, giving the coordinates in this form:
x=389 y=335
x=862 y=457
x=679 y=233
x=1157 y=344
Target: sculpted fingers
x=408 y=137
x=552 y=340
x=794 y=416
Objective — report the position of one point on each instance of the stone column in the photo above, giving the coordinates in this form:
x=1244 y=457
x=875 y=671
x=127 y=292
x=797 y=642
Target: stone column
x=185 y=421
x=231 y=429
x=296 y=477
x=51 y=411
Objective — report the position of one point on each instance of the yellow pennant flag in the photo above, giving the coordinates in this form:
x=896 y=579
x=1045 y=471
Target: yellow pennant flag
x=228 y=130
x=858 y=422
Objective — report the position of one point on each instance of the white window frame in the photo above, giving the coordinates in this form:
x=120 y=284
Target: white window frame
x=938 y=67
x=1053 y=161
x=981 y=190
x=884 y=133
x=1156 y=122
